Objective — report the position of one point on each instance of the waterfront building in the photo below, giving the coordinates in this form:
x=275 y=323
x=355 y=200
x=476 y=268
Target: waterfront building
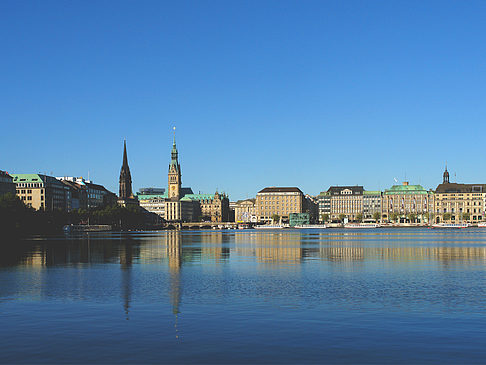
x=232 y=208
x=407 y=203
x=459 y=202
x=41 y=192
x=125 y=196
x=84 y=194
x=245 y=211
x=6 y=183
x=153 y=200
x=324 y=202
x=279 y=201
x=371 y=204
x=77 y=196
x=347 y=202
x=214 y=207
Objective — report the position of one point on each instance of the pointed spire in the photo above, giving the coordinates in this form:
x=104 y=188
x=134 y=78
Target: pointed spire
x=125 y=158
x=125 y=190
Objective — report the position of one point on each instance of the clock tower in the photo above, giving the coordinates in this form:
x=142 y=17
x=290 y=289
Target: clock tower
x=174 y=175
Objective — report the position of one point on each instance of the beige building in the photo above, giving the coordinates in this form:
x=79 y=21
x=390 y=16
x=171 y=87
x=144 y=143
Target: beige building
x=41 y=191
x=279 y=201
x=456 y=203
x=245 y=211
x=407 y=204
x=346 y=201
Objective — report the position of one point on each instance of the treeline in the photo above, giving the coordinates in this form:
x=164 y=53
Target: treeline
x=17 y=219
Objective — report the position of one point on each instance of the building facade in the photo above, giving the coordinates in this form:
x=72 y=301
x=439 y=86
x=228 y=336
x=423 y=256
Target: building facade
x=245 y=211
x=347 y=202
x=324 y=201
x=6 y=183
x=371 y=205
x=41 y=192
x=279 y=201
x=407 y=203
x=456 y=203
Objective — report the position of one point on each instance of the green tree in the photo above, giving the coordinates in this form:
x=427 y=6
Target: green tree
x=341 y=217
x=394 y=217
x=412 y=217
x=359 y=217
x=446 y=216
x=325 y=217
x=425 y=217
x=466 y=216
x=275 y=218
x=376 y=216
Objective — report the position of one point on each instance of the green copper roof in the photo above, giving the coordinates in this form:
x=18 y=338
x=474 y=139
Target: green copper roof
x=26 y=178
x=371 y=192
x=151 y=196
x=200 y=196
x=405 y=189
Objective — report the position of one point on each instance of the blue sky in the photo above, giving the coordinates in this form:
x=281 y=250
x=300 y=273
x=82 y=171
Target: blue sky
x=263 y=93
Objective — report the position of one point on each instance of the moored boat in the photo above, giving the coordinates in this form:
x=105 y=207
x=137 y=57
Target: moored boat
x=75 y=228
x=272 y=226
x=450 y=225
x=361 y=225
x=482 y=225
x=310 y=226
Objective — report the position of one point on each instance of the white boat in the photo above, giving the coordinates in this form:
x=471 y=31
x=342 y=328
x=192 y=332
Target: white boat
x=74 y=228
x=361 y=225
x=450 y=225
x=482 y=225
x=310 y=226
x=272 y=226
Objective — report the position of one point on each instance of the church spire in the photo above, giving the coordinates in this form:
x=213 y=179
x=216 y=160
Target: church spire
x=125 y=176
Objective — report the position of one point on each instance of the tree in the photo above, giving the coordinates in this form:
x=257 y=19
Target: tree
x=446 y=216
x=325 y=217
x=466 y=216
x=341 y=217
x=376 y=216
x=275 y=217
x=425 y=216
x=394 y=217
x=412 y=217
x=359 y=217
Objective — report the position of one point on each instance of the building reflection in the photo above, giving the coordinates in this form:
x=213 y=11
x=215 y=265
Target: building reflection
x=269 y=247
x=126 y=259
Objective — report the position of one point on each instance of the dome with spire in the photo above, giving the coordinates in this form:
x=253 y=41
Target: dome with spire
x=446 y=176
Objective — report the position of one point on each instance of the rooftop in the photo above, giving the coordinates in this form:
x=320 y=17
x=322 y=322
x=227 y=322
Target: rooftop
x=275 y=189
x=460 y=188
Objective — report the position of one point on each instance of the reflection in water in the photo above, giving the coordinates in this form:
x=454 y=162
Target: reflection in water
x=174 y=252
x=126 y=258
x=225 y=287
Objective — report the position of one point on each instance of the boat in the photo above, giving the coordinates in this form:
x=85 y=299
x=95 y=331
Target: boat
x=272 y=226
x=361 y=225
x=77 y=228
x=310 y=226
x=482 y=225
x=450 y=225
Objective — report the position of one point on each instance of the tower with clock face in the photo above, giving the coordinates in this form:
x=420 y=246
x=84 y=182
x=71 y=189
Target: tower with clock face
x=174 y=175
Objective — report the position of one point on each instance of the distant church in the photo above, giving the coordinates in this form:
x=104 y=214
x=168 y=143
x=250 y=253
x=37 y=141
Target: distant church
x=125 y=196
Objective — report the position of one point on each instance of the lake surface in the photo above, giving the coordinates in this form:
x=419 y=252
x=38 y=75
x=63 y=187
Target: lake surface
x=290 y=296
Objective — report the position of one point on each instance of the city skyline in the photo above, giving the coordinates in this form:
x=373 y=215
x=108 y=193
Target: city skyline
x=266 y=94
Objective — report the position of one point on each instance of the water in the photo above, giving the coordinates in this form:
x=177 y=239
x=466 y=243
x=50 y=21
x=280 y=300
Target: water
x=310 y=296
